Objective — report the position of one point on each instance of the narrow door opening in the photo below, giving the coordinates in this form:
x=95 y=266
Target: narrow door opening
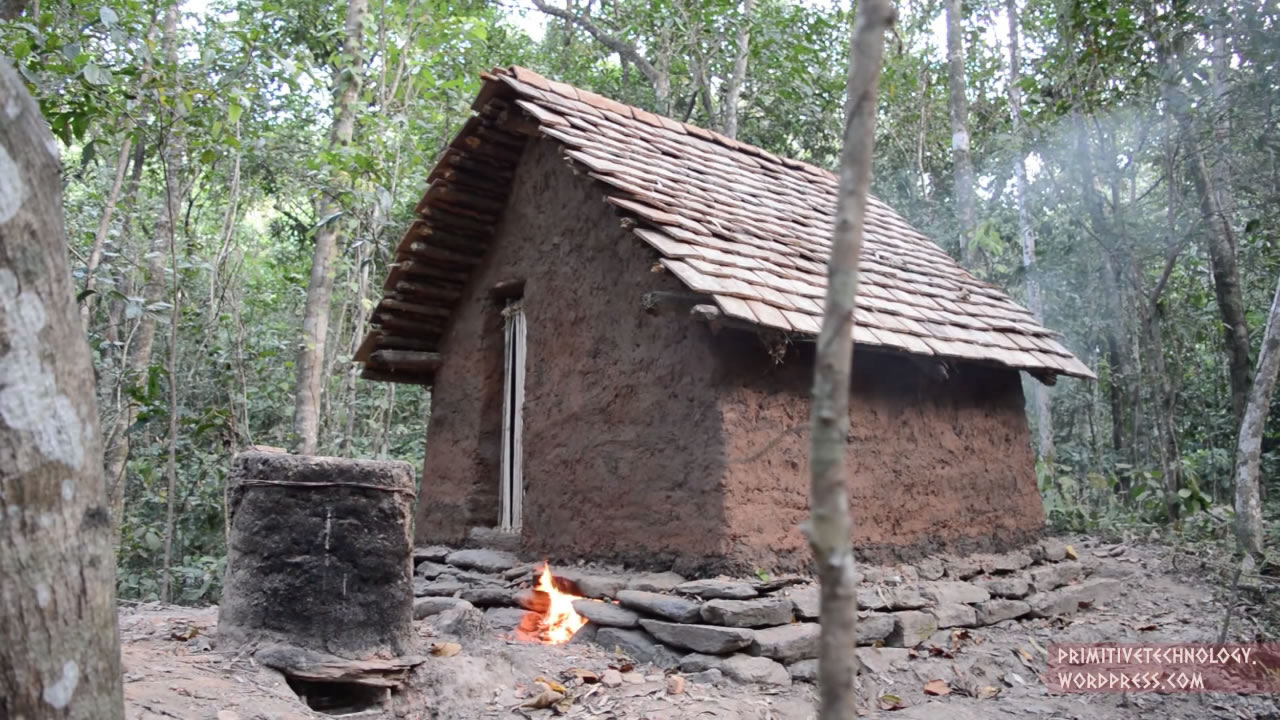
x=512 y=476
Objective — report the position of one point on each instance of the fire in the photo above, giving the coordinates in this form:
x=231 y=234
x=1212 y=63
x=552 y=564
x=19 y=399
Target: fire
x=560 y=621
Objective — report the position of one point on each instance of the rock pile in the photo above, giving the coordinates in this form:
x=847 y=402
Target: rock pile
x=763 y=630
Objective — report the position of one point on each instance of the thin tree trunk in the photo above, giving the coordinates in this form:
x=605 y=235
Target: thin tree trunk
x=315 y=321
x=1249 y=449
x=104 y=224
x=59 y=647
x=152 y=292
x=830 y=528
x=171 y=466
x=1226 y=278
x=1040 y=393
x=733 y=92
x=959 y=107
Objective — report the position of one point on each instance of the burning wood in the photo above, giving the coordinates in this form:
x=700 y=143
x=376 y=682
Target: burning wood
x=559 y=621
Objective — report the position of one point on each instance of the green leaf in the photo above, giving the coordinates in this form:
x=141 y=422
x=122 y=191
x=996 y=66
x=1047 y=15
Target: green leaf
x=96 y=75
x=108 y=16
x=1184 y=493
x=233 y=113
x=207 y=156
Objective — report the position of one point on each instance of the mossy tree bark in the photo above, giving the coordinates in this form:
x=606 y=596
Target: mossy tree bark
x=59 y=651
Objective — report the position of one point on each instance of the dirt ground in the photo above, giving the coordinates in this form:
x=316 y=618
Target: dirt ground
x=173 y=669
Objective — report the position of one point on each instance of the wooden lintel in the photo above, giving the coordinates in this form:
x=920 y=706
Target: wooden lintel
x=659 y=301
x=507 y=289
x=414 y=361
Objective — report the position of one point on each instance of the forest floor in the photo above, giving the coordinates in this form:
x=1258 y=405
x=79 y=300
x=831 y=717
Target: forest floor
x=173 y=670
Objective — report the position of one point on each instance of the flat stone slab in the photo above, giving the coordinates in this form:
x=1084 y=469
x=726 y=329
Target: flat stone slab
x=962 y=568
x=910 y=628
x=761 y=612
x=464 y=621
x=755 y=670
x=787 y=643
x=606 y=614
x=1053 y=550
x=931 y=569
x=505 y=619
x=665 y=606
x=1000 y=609
x=490 y=561
x=708 y=639
x=434 y=553
x=891 y=598
x=592 y=585
x=438 y=588
x=1068 y=600
x=806 y=600
x=955 y=615
x=872 y=627
x=655 y=582
x=427 y=606
x=1009 y=586
x=804 y=671
x=637 y=644
x=430 y=570
x=487 y=597
x=717 y=589
x=950 y=592
x=1051 y=577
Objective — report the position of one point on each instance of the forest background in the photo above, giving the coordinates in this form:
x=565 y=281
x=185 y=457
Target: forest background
x=238 y=172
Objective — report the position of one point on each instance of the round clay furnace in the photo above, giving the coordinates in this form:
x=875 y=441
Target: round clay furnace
x=319 y=554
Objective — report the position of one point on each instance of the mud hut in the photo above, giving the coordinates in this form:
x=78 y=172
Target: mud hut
x=615 y=312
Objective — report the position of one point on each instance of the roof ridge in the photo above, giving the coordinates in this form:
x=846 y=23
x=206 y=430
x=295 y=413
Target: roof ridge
x=599 y=102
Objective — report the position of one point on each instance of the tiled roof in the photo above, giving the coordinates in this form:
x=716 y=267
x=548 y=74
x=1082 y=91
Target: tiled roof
x=748 y=228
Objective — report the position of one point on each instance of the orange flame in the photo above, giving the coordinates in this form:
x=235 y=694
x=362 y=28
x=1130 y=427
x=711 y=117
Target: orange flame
x=560 y=621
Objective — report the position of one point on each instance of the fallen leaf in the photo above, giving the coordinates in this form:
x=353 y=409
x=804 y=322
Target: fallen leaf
x=1071 y=553
x=611 y=678
x=582 y=674
x=937 y=687
x=935 y=650
x=987 y=692
x=544 y=699
x=1147 y=628
x=184 y=633
x=890 y=702
x=675 y=685
x=1025 y=657
x=551 y=684
x=445 y=649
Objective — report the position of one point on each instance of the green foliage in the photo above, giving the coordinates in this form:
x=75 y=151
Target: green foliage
x=239 y=123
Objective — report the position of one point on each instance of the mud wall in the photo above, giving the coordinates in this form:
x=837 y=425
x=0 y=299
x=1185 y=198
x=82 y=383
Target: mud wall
x=934 y=464
x=622 y=444
x=649 y=440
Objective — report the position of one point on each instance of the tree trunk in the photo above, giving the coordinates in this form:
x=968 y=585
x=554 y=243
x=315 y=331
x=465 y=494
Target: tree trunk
x=1249 y=449
x=171 y=464
x=959 y=107
x=1040 y=393
x=830 y=529
x=152 y=292
x=315 y=320
x=1226 y=278
x=59 y=652
x=104 y=224
x=733 y=92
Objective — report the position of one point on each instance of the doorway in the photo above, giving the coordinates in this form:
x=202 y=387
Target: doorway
x=511 y=478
